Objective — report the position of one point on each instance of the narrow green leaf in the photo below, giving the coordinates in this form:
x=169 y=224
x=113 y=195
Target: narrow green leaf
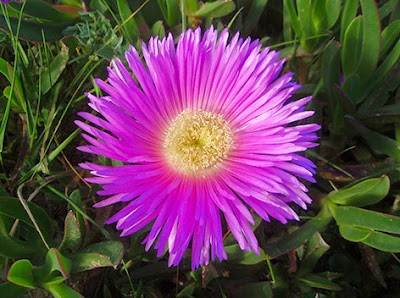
x=130 y=27
x=389 y=35
x=41 y=10
x=395 y=14
x=371 y=40
x=387 y=8
x=50 y=75
x=367 y=219
x=239 y=256
x=319 y=282
x=377 y=141
x=348 y=14
x=293 y=18
x=7 y=70
x=352 y=45
x=365 y=193
x=170 y=10
x=254 y=15
x=187 y=291
x=215 y=9
x=72 y=234
x=287 y=27
x=21 y=274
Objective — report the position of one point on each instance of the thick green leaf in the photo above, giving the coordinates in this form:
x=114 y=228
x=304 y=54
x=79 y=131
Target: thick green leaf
x=41 y=10
x=130 y=27
x=12 y=247
x=62 y=291
x=187 y=291
x=32 y=31
x=158 y=29
x=50 y=76
x=318 y=16
x=11 y=207
x=352 y=45
x=348 y=14
x=371 y=42
x=304 y=16
x=383 y=242
x=10 y=290
x=305 y=19
x=383 y=69
x=75 y=3
x=102 y=254
x=315 y=248
x=21 y=274
x=55 y=263
x=353 y=88
x=377 y=141
x=367 y=219
x=354 y=234
x=89 y=261
x=371 y=238
x=239 y=256
x=387 y=113
x=254 y=15
x=215 y=9
x=299 y=236
x=389 y=36
x=332 y=12
x=113 y=249
x=319 y=282
x=331 y=76
x=365 y=193
x=254 y=289
x=72 y=234
x=387 y=8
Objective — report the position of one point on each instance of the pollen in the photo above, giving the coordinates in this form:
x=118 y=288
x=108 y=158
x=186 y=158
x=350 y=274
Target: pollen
x=197 y=141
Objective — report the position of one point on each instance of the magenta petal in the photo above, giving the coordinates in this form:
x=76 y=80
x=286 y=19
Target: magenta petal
x=261 y=173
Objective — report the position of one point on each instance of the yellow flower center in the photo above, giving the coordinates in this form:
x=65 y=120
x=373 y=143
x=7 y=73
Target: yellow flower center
x=197 y=140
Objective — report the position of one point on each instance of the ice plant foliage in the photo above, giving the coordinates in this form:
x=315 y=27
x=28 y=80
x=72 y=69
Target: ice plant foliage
x=205 y=131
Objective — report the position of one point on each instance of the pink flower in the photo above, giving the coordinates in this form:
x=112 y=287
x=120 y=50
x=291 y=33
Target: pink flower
x=205 y=131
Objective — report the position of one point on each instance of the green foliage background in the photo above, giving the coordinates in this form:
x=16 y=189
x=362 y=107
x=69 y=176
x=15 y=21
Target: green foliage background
x=344 y=53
